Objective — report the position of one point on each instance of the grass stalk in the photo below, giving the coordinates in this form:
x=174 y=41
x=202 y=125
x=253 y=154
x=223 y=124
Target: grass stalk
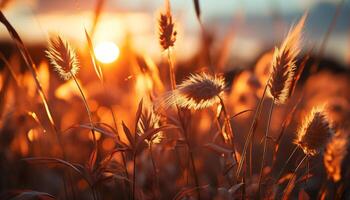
x=286 y=163
x=251 y=133
x=285 y=194
x=194 y=173
x=155 y=171
x=171 y=71
x=228 y=122
x=191 y=157
x=33 y=70
x=173 y=87
x=265 y=145
x=134 y=176
x=91 y=122
x=87 y=109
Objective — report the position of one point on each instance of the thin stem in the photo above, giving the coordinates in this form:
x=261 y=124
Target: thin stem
x=134 y=177
x=265 y=144
x=195 y=173
x=65 y=186
x=285 y=124
x=90 y=119
x=154 y=171
x=285 y=164
x=285 y=194
x=118 y=137
x=228 y=122
x=171 y=71
x=322 y=194
x=250 y=159
x=195 y=176
x=87 y=109
x=251 y=133
x=94 y=194
x=173 y=87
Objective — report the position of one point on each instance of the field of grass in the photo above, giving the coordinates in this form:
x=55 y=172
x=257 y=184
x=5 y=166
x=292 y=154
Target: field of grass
x=98 y=121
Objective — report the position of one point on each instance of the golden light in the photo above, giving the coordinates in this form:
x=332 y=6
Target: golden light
x=106 y=52
x=32 y=135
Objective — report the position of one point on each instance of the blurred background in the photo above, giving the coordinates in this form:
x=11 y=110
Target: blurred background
x=236 y=41
x=257 y=24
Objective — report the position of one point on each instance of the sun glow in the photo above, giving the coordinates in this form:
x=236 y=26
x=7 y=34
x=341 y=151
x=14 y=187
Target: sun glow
x=106 y=52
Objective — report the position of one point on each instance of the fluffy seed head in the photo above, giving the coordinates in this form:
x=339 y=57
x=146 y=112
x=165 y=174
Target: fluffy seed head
x=198 y=91
x=314 y=132
x=283 y=64
x=62 y=57
x=149 y=120
x=167 y=32
x=335 y=152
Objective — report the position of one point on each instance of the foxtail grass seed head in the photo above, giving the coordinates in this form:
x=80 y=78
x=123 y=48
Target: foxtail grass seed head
x=62 y=57
x=198 y=91
x=314 y=132
x=167 y=32
x=150 y=120
x=283 y=64
x=335 y=152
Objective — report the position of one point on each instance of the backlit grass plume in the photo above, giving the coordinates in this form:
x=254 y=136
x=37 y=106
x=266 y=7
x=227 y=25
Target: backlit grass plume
x=283 y=64
x=198 y=91
x=62 y=57
x=167 y=32
x=314 y=132
x=335 y=152
x=149 y=120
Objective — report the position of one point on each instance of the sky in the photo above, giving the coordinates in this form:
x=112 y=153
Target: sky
x=36 y=20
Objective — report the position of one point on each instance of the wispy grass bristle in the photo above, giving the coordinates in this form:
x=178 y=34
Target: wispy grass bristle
x=198 y=91
x=283 y=64
x=63 y=57
x=150 y=120
x=167 y=32
x=314 y=132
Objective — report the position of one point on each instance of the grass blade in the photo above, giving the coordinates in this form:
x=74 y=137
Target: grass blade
x=95 y=63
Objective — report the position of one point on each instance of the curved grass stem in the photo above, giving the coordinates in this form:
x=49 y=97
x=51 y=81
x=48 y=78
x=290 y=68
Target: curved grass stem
x=187 y=141
x=251 y=133
x=285 y=164
x=286 y=193
x=265 y=145
x=155 y=171
x=87 y=109
x=228 y=122
x=171 y=71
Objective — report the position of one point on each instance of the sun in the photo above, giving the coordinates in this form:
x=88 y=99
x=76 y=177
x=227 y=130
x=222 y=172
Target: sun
x=106 y=52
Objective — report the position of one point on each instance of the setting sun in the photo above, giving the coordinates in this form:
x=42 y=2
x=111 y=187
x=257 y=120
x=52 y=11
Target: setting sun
x=106 y=52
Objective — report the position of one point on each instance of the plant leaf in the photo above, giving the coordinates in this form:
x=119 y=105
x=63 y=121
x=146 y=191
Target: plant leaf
x=92 y=160
x=95 y=63
x=150 y=133
x=55 y=161
x=98 y=129
x=128 y=135
x=242 y=112
x=138 y=115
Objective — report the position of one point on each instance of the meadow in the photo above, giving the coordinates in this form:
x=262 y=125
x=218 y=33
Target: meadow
x=100 y=121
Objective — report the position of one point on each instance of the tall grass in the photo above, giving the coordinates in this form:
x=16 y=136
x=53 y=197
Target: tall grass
x=193 y=114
